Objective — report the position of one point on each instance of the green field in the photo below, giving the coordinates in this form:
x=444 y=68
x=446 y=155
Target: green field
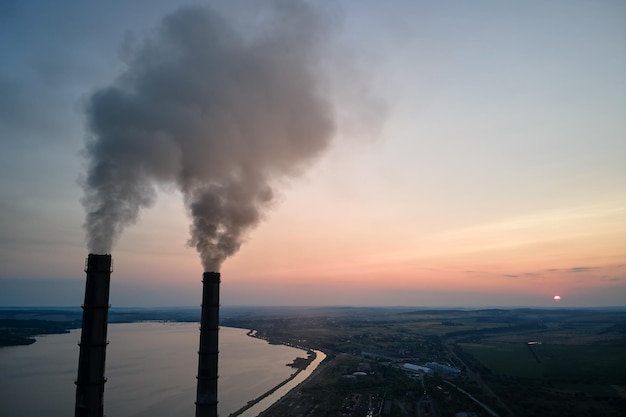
x=513 y=359
x=559 y=362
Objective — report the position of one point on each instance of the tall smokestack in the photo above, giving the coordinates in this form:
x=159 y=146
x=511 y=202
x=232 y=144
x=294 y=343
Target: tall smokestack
x=206 y=394
x=93 y=340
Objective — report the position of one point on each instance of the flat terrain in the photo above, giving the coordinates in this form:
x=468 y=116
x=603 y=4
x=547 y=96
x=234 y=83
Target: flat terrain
x=509 y=362
x=575 y=363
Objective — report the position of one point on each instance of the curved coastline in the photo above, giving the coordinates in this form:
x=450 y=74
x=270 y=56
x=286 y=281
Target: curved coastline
x=311 y=357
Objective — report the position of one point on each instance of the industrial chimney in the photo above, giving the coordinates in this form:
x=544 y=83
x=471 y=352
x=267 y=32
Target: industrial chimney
x=206 y=394
x=93 y=340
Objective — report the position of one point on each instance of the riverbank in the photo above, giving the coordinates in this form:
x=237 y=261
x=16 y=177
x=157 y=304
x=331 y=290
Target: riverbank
x=314 y=358
x=14 y=332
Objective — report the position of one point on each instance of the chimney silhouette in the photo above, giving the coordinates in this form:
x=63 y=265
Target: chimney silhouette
x=93 y=340
x=206 y=394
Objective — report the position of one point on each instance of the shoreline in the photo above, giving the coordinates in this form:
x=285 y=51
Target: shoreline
x=311 y=356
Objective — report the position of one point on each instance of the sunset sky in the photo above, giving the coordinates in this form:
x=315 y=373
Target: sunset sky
x=493 y=173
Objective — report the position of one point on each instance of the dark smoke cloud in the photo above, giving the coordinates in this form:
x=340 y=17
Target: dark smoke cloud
x=220 y=112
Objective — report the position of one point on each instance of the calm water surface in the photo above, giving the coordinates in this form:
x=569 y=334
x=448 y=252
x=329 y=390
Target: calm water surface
x=151 y=371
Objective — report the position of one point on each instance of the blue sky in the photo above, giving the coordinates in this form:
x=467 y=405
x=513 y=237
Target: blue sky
x=499 y=146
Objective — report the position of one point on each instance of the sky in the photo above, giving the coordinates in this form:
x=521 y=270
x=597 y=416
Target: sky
x=488 y=169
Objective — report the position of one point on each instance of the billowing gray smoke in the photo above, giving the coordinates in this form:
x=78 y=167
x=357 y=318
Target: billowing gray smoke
x=220 y=112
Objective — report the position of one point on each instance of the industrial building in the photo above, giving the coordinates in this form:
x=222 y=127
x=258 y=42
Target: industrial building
x=417 y=368
x=445 y=370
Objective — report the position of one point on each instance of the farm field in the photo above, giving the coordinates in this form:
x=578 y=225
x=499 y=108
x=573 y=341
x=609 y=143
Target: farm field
x=577 y=367
x=550 y=361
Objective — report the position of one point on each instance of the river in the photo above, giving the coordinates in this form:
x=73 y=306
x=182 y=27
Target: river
x=151 y=369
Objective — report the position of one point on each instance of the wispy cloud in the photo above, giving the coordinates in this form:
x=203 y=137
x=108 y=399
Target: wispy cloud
x=582 y=268
x=571 y=224
x=613 y=211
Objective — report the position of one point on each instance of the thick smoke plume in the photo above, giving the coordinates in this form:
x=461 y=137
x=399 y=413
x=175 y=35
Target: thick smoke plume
x=221 y=112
